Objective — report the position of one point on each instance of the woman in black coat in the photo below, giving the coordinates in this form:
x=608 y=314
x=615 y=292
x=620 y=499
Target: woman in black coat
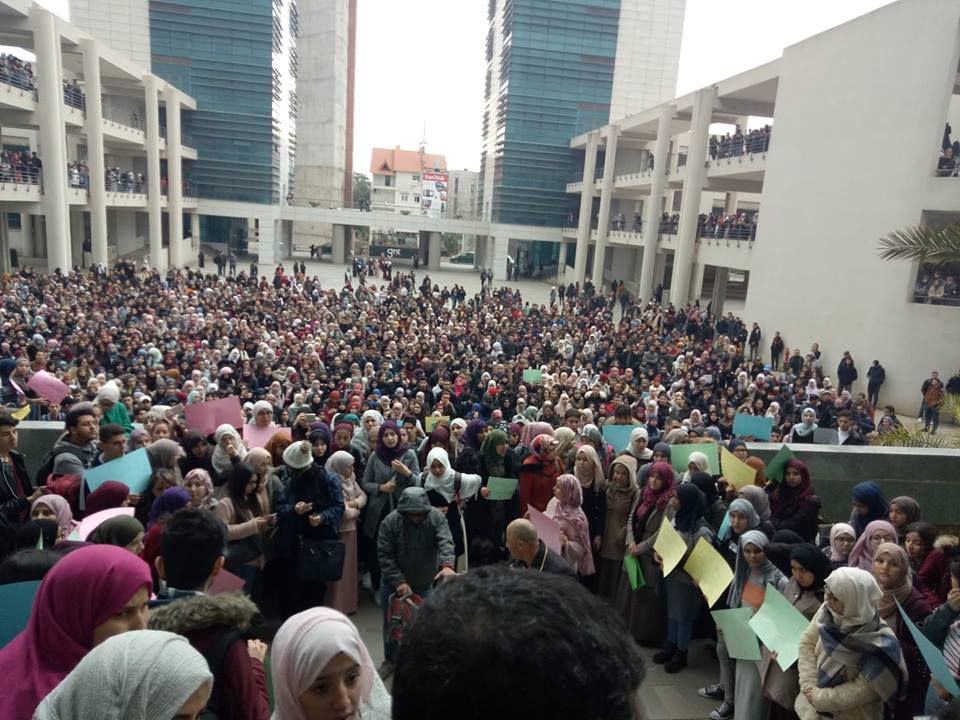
x=793 y=504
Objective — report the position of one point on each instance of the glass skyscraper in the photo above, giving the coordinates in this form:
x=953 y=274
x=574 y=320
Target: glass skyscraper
x=554 y=70
x=238 y=59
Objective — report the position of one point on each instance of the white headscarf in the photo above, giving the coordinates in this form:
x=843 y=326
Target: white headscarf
x=445 y=484
x=858 y=591
x=137 y=675
x=220 y=458
x=304 y=646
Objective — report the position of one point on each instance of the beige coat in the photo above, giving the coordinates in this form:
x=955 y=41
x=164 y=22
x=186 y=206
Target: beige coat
x=852 y=700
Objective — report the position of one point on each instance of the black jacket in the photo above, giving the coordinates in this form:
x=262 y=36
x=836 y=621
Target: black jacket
x=12 y=504
x=546 y=560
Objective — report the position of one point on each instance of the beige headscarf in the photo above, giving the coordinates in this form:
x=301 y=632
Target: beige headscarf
x=595 y=476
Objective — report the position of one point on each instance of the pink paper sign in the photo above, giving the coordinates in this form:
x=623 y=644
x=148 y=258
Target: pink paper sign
x=47 y=386
x=225 y=582
x=207 y=417
x=92 y=522
x=547 y=528
x=258 y=437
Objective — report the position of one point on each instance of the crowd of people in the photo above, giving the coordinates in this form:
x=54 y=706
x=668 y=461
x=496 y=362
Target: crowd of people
x=125 y=181
x=755 y=141
x=20 y=167
x=409 y=436
x=734 y=226
x=937 y=286
x=16 y=72
x=78 y=175
x=73 y=94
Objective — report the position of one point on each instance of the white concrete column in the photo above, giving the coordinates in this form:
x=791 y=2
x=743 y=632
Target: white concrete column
x=171 y=97
x=564 y=257
x=338 y=252
x=606 y=197
x=479 y=252
x=267 y=247
x=195 y=232
x=77 y=234
x=433 y=251
x=29 y=240
x=498 y=263
x=696 y=283
x=93 y=127
x=690 y=203
x=651 y=220
x=4 y=245
x=586 y=208
x=730 y=202
x=53 y=138
x=720 y=290
x=158 y=259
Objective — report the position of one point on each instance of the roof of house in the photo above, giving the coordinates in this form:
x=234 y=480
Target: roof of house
x=387 y=161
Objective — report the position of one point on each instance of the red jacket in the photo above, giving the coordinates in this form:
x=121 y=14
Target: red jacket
x=536 y=483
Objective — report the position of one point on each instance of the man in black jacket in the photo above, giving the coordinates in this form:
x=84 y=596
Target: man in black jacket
x=875 y=378
x=528 y=551
x=14 y=482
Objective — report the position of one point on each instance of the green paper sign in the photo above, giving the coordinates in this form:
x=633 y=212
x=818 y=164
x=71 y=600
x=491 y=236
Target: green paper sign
x=779 y=626
x=501 y=488
x=632 y=568
x=777 y=464
x=680 y=456
x=533 y=376
x=739 y=638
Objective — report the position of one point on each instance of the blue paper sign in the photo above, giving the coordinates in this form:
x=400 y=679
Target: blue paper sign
x=16 y=599
x=758 y=428
x=133 y=470
x=618 y=435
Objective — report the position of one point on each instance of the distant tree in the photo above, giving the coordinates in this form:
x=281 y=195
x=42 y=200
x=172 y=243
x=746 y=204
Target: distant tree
x=361 y=190
x=452 y=243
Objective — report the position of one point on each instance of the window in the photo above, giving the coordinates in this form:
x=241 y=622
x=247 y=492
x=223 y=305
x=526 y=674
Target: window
x=415 y=178
x=388 y=181
x=416 y=199
x=404 y=197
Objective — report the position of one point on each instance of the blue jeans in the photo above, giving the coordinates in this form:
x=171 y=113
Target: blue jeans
x=933 y=704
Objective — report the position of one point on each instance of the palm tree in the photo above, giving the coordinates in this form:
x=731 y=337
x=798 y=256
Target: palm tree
x=937 y=246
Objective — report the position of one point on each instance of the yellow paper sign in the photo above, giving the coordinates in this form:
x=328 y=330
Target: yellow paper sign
x=709 y=571
x=430 y=422
x=735 y=470
x=669 y=546
x=21 y=414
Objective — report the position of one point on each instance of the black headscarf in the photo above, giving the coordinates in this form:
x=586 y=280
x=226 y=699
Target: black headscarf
x=707 y=486
x=692 y=506
x=812 y=559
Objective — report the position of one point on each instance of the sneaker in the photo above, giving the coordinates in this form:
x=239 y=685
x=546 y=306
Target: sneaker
x=724 y=712
x=711 y=692
x=386 y=670
x=365 y=582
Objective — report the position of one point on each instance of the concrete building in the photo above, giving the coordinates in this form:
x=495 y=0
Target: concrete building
x=123 y=25
x=464 y=194
x=327 y=41
x=810 y=257
x=403 y=181
x=555 y=70
x=110 y=166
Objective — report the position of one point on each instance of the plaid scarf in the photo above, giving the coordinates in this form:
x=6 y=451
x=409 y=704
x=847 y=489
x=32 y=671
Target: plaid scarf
x=872 y=647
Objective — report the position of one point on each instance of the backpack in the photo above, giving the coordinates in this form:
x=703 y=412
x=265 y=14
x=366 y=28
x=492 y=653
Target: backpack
x=401 y=612
x=215 y=658
x=69 y=487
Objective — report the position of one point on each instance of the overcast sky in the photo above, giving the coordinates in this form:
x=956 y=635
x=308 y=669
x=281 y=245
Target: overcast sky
x=421 y=62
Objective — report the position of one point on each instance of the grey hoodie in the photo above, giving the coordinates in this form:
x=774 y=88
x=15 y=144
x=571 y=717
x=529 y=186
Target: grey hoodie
x=414 y=552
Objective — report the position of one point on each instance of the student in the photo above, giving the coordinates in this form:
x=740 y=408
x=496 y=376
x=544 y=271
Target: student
x=891 y=568
x=123 y=531
x=869 y=504
x=342 y=594
x=683 y=597
x=322 y=669
x=16 y=492
x=875 y=534
x=91 y=594
x=793 y=503
x=842 y=539
x=850 y=660
x=808 y=569
x=621 y=493
x=543 y=669
x=931 y=566
x=139 y=675
x=191 y=556
x=752 y=574
x=575 y=540
x=942 y=628
x=450 y=490
x=903 y=511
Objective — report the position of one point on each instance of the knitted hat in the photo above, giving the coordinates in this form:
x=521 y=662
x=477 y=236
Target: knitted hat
x=298 y=455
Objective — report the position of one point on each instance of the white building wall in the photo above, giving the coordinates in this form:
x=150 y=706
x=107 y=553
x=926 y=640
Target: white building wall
x=123 y=25
x=648 y=55
x=822 y=280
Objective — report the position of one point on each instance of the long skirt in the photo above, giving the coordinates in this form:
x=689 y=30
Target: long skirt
x=342 y=595
x=643 y=612
x=609 y=572
x=749 y=702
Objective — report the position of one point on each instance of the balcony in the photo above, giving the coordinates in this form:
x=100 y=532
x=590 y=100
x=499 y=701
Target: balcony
x=16 y=92
x=18 y=190
x=123 y=127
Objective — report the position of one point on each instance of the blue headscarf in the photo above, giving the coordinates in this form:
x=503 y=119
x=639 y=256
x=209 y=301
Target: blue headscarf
x=469 y=437
x=868 y=493
x=170 y=500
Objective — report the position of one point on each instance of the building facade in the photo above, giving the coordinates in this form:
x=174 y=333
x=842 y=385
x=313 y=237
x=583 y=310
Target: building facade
x=464 y=194
x=408 y=182
x=721 y=182
x=94 y=164
x=554 y=70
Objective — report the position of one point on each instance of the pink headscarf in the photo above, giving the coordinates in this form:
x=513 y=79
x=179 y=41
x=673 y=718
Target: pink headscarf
x=532 y=430
x=572 y=520
x=61 y=508
x=82 y=591
x=661 y=497
x=862 y=554
x=303 y=647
